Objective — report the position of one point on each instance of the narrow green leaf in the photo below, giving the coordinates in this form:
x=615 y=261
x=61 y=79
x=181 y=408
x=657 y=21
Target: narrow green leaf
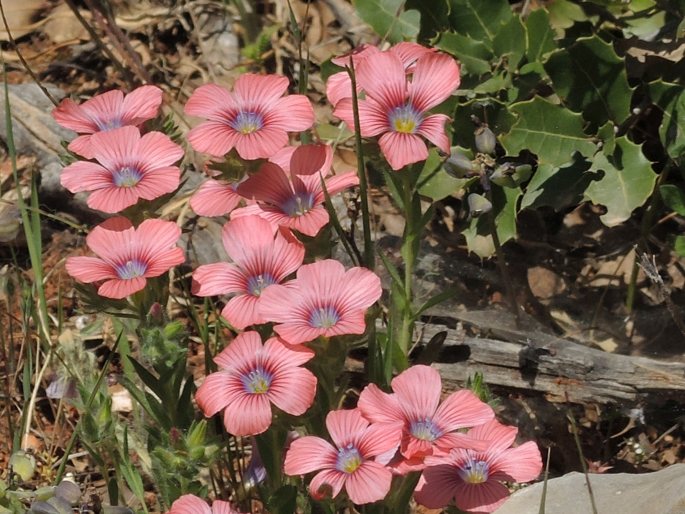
x=550 y=131
x=625 y=181
x=591 y=78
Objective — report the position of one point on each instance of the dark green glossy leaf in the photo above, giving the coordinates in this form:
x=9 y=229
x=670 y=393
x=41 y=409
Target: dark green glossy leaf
x=563 y=14
x=389 y=19
x=670 y=98
x=673 y=197
x=625 y=180
x=557 y=187
x=592 y=79
x=550 y=131
x=478 y=233
x=510 y=42
x=434 y=16
x=480 y=20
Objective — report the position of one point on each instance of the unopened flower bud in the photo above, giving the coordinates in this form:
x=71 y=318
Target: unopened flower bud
x=458 y=165
x=502 y=176
x=478 y=205
x=485 y=140
x=522 y=173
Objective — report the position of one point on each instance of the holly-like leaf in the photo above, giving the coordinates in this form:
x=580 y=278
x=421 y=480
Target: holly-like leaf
x=557 y=187
x=434 y=16
x=389 y=19
x=550 y=131
x=479 y=233
x=670 y=98
x=540 y=35
x=510 y=42
x=480 y=20
x=591 y=78
x=563 y=14
x=673 y=197
x=434 y=182
x=625 y=180
x=474 y=55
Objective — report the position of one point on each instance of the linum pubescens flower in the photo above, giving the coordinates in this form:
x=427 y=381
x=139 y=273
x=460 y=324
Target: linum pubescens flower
x=191 y=504
x=347 y=463
x=262 y=255
x=127 y=256
x=106 y=111
x=473 y=479
x=252 y=377
x=129 y=167
x=396 y=106
x=254 y=119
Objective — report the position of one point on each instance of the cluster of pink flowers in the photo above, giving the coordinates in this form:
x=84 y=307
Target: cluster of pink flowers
x=411 y=430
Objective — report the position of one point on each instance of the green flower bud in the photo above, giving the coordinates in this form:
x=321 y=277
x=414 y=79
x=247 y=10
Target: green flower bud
x=458 y=165
x=485 y=140
x=502 y=176
x=478 y=205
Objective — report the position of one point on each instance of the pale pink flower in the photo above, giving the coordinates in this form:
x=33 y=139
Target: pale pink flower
x=347 y=463
x=428 y=426
x=339 y=85
x=106 y=111
x=128 y=167
x=252 y=377
x=395 y=108
x=191 y=504
x=474 y=478
x=127 y=256
x=262 y=255
x=292 y=196
x=324 y=300
x=254 y=119
x=215 y=198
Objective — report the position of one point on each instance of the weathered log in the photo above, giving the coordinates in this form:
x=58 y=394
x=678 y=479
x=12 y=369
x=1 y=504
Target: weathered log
x=562 y=370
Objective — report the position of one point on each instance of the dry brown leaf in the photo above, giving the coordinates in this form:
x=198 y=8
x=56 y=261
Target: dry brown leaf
x=21 y=16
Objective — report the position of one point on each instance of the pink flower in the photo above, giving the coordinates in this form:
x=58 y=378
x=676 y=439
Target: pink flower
x=127 y=256
x=349 y=462
x=324 y=300
x=262 y=256
x=396 y=108
x=215 y=198
x=473 y=479
x=129 y=167
x=428 y=426
x=251 y=378
x=339 y=85
x=292 y=195
x=191 y=504
x=107 y=111
x=255 y=118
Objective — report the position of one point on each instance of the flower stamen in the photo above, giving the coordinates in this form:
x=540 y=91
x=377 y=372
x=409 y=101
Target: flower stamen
x=324 y=317
x=247 y=122
x=404 y=119
x=131 y=269
x=349 y=459
x=127 y=177
x=257 y=381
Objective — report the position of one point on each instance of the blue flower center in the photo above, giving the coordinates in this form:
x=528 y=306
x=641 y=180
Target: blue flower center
x=110 y=124
x=425 y=429
x=404 y=119
x=324 y=317
x=247 y=122
x=131 y=269
x=257 y=283
x=257 y=381
x=348 y=460
x=298 y=205
x=474 y=471
x=127 y=177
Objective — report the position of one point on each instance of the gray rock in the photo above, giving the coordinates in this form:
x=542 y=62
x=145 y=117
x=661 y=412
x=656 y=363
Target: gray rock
x=661 y=492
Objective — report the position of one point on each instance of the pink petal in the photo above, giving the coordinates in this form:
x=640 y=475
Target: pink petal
x=522 y=463
x=438 y=486
x=327 y=484
x=485 y=497
x=217 y=391
x=261 y=144
x=213 y=137
x=341 y=182
x=307 y=454
x=383 y=78
x=499 y=436
x=462 y=409
x=158 y=182
x=221 y=507
x=360 y=289
x=433 y=129
x=338 y=86
x=352 y=322
x=344 y=425
x=141 y=104
x=270 y=184
x=118 y=289
x=241 y=350
x=189 y=504
x=293 y=113
x=117 y=147
x=308 y=224
x=157 y=150
x=89 y=269
x=112 y=199
x=435 y=78
x=241 y=311
x=105 y=106
x=260 y=90
x=85 y=176
x=379 y=407
x=164 y=260
x=214 y=198
x=111 y=239
x=157 y=235
x=209 y=101
x=380 y=438
x=81 y=146
x=70 y=115
x=249 y=414
x=296 y=333
x=358 y=54
x=283 y=356
x=310 y=159
x=401 y=149
x=417 y=390
x=369 y=483
x=293 y=390
x=246 y=239
x=373 y=117
x=409 y=52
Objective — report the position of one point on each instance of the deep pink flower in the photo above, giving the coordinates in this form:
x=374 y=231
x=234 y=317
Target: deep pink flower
x=348 y=463
x=252 y=377
x=324 y=300
x=215 y=198
x=191 y=504
x=106 y=111
x=262 y=256
x=292 y=195
x=255 y=118
x=129 y=167
x=395 y=108
x=127 y=256
x=473 y=479
x=427 y=426
x=339 y=85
